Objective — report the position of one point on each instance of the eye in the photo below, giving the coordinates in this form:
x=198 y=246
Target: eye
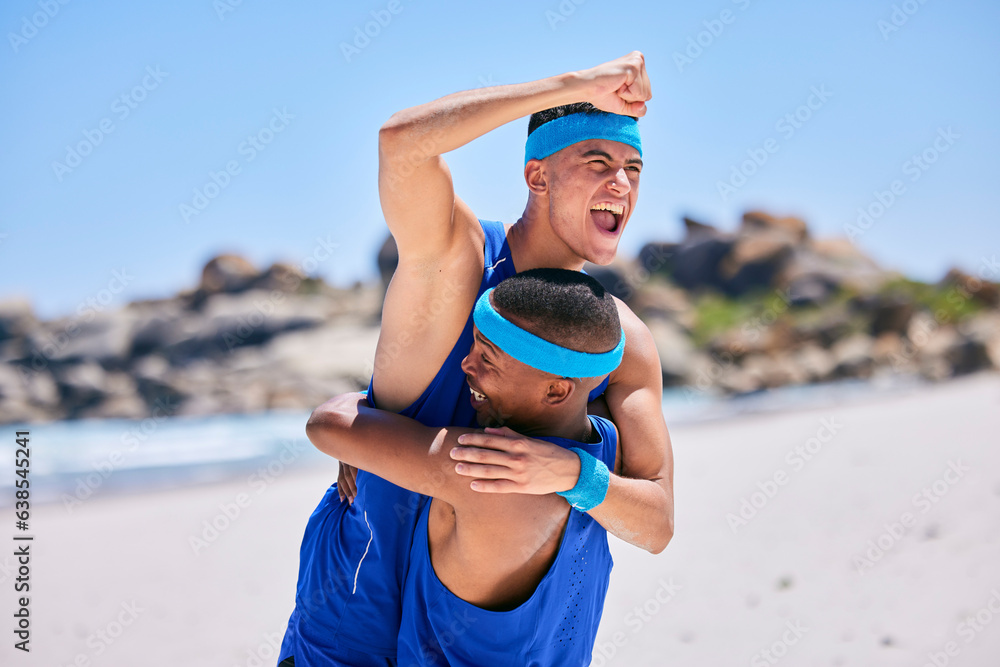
x=486 y=362
x=634 y=168
x=602 y=162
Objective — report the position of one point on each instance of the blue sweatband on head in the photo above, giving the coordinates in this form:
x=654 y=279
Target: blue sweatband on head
x=592 y=485
x=564 y=131
x=539 y=353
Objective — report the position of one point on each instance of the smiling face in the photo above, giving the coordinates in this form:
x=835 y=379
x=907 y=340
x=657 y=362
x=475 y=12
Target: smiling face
x=503 y=391
x=592 y=189
x=571 y=313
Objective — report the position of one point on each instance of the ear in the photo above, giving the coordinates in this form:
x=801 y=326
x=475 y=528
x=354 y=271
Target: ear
x=536 y=177
x=559 y=391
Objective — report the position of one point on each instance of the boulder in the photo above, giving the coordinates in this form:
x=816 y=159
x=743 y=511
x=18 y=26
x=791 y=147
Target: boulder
x=971 y=287
x=616 y=278
x=985 y=329
x=853 y=357
x=105 y=337
x=16 y=318
x=116 y=406
x=887 y=347
x=81 y=386
x=305 y=393
x=825 y=330
x=657 y=258
x=159 y=332
x=931 y=343
x=331 y=351
x=674 y=348
x=890 y=313
x=35 y=386
x=968 y=355
x=816 y=363
x=810 y=289
x=11 y=386
x=388 y=258
x=658 y=299
x=120 y=400
x=835 y=261
x=696 y=232
x=282 y=277
x=693 y=263
x=696 y=265
x=156 y=384
x=733 y=345
x=227 y=273
x=753 y=263
x=774 y=370
x=737 y=380
x=224 y=323
x=13 y=349
x=793 y=229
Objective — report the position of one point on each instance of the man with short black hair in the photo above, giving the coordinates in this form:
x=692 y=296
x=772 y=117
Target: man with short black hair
x=512 y=579
x=582 y=170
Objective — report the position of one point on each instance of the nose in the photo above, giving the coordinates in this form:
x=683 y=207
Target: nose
x=620 y=183
x=466 y=364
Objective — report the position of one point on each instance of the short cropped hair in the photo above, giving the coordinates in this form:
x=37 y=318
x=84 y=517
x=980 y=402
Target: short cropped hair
x=567 y=308
x=539 y=118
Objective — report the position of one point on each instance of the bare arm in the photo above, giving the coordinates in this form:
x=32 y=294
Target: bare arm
x=398 y=449
x=415 y=186
x=439 y=238
x=639 y=507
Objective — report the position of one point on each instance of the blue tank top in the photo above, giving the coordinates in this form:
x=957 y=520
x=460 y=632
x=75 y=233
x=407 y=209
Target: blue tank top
x=354 y=557
x=557 y=625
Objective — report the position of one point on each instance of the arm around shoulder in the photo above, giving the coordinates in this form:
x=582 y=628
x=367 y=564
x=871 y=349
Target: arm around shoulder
x=396 y=448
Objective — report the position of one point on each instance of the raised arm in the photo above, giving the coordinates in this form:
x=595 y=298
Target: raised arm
x=415 y=186
x=439 y=238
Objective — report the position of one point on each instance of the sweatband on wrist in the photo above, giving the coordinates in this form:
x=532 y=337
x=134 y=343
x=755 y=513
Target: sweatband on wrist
x=539 y=353
x=567 y=130
x=592 y=485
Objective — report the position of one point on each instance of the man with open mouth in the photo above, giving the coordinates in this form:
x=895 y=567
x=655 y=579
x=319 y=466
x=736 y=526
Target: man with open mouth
x=582 y=164
x=513 y=579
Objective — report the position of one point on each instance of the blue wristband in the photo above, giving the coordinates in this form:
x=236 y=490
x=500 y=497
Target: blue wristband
x=592 y=485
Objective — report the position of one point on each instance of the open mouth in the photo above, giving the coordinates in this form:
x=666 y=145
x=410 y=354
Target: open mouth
x=607 y=216
x=478 y=398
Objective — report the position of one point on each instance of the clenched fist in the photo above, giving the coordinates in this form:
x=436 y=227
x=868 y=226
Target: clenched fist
x=620 y=86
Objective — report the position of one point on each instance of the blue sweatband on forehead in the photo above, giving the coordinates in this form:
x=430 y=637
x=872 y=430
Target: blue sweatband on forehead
x=564 y=131
x=539 y=353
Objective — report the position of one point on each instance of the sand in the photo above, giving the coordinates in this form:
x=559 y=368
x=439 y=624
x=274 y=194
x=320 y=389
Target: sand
x=837 y=560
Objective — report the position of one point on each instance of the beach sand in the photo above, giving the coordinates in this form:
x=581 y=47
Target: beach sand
x=844 y=562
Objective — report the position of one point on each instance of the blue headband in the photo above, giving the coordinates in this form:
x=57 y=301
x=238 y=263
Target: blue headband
x=564 y=131
x=539 y=353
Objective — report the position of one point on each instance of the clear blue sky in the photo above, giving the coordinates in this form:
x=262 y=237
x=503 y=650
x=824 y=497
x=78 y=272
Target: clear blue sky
x=891 y=92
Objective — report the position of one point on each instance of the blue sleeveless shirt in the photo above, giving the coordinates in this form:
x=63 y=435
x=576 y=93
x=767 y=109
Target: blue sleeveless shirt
x=557 y=625
x=354 y=557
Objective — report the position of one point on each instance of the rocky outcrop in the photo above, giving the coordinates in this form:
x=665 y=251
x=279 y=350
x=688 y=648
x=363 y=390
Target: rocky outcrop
x=729 y=312
x=801 y=309
x=764 y=253
x=242 y=341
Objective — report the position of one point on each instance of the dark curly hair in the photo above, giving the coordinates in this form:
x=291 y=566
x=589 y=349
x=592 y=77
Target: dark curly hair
x=568 y=308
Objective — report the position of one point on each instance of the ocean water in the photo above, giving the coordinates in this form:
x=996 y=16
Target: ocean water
x=82 y=459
